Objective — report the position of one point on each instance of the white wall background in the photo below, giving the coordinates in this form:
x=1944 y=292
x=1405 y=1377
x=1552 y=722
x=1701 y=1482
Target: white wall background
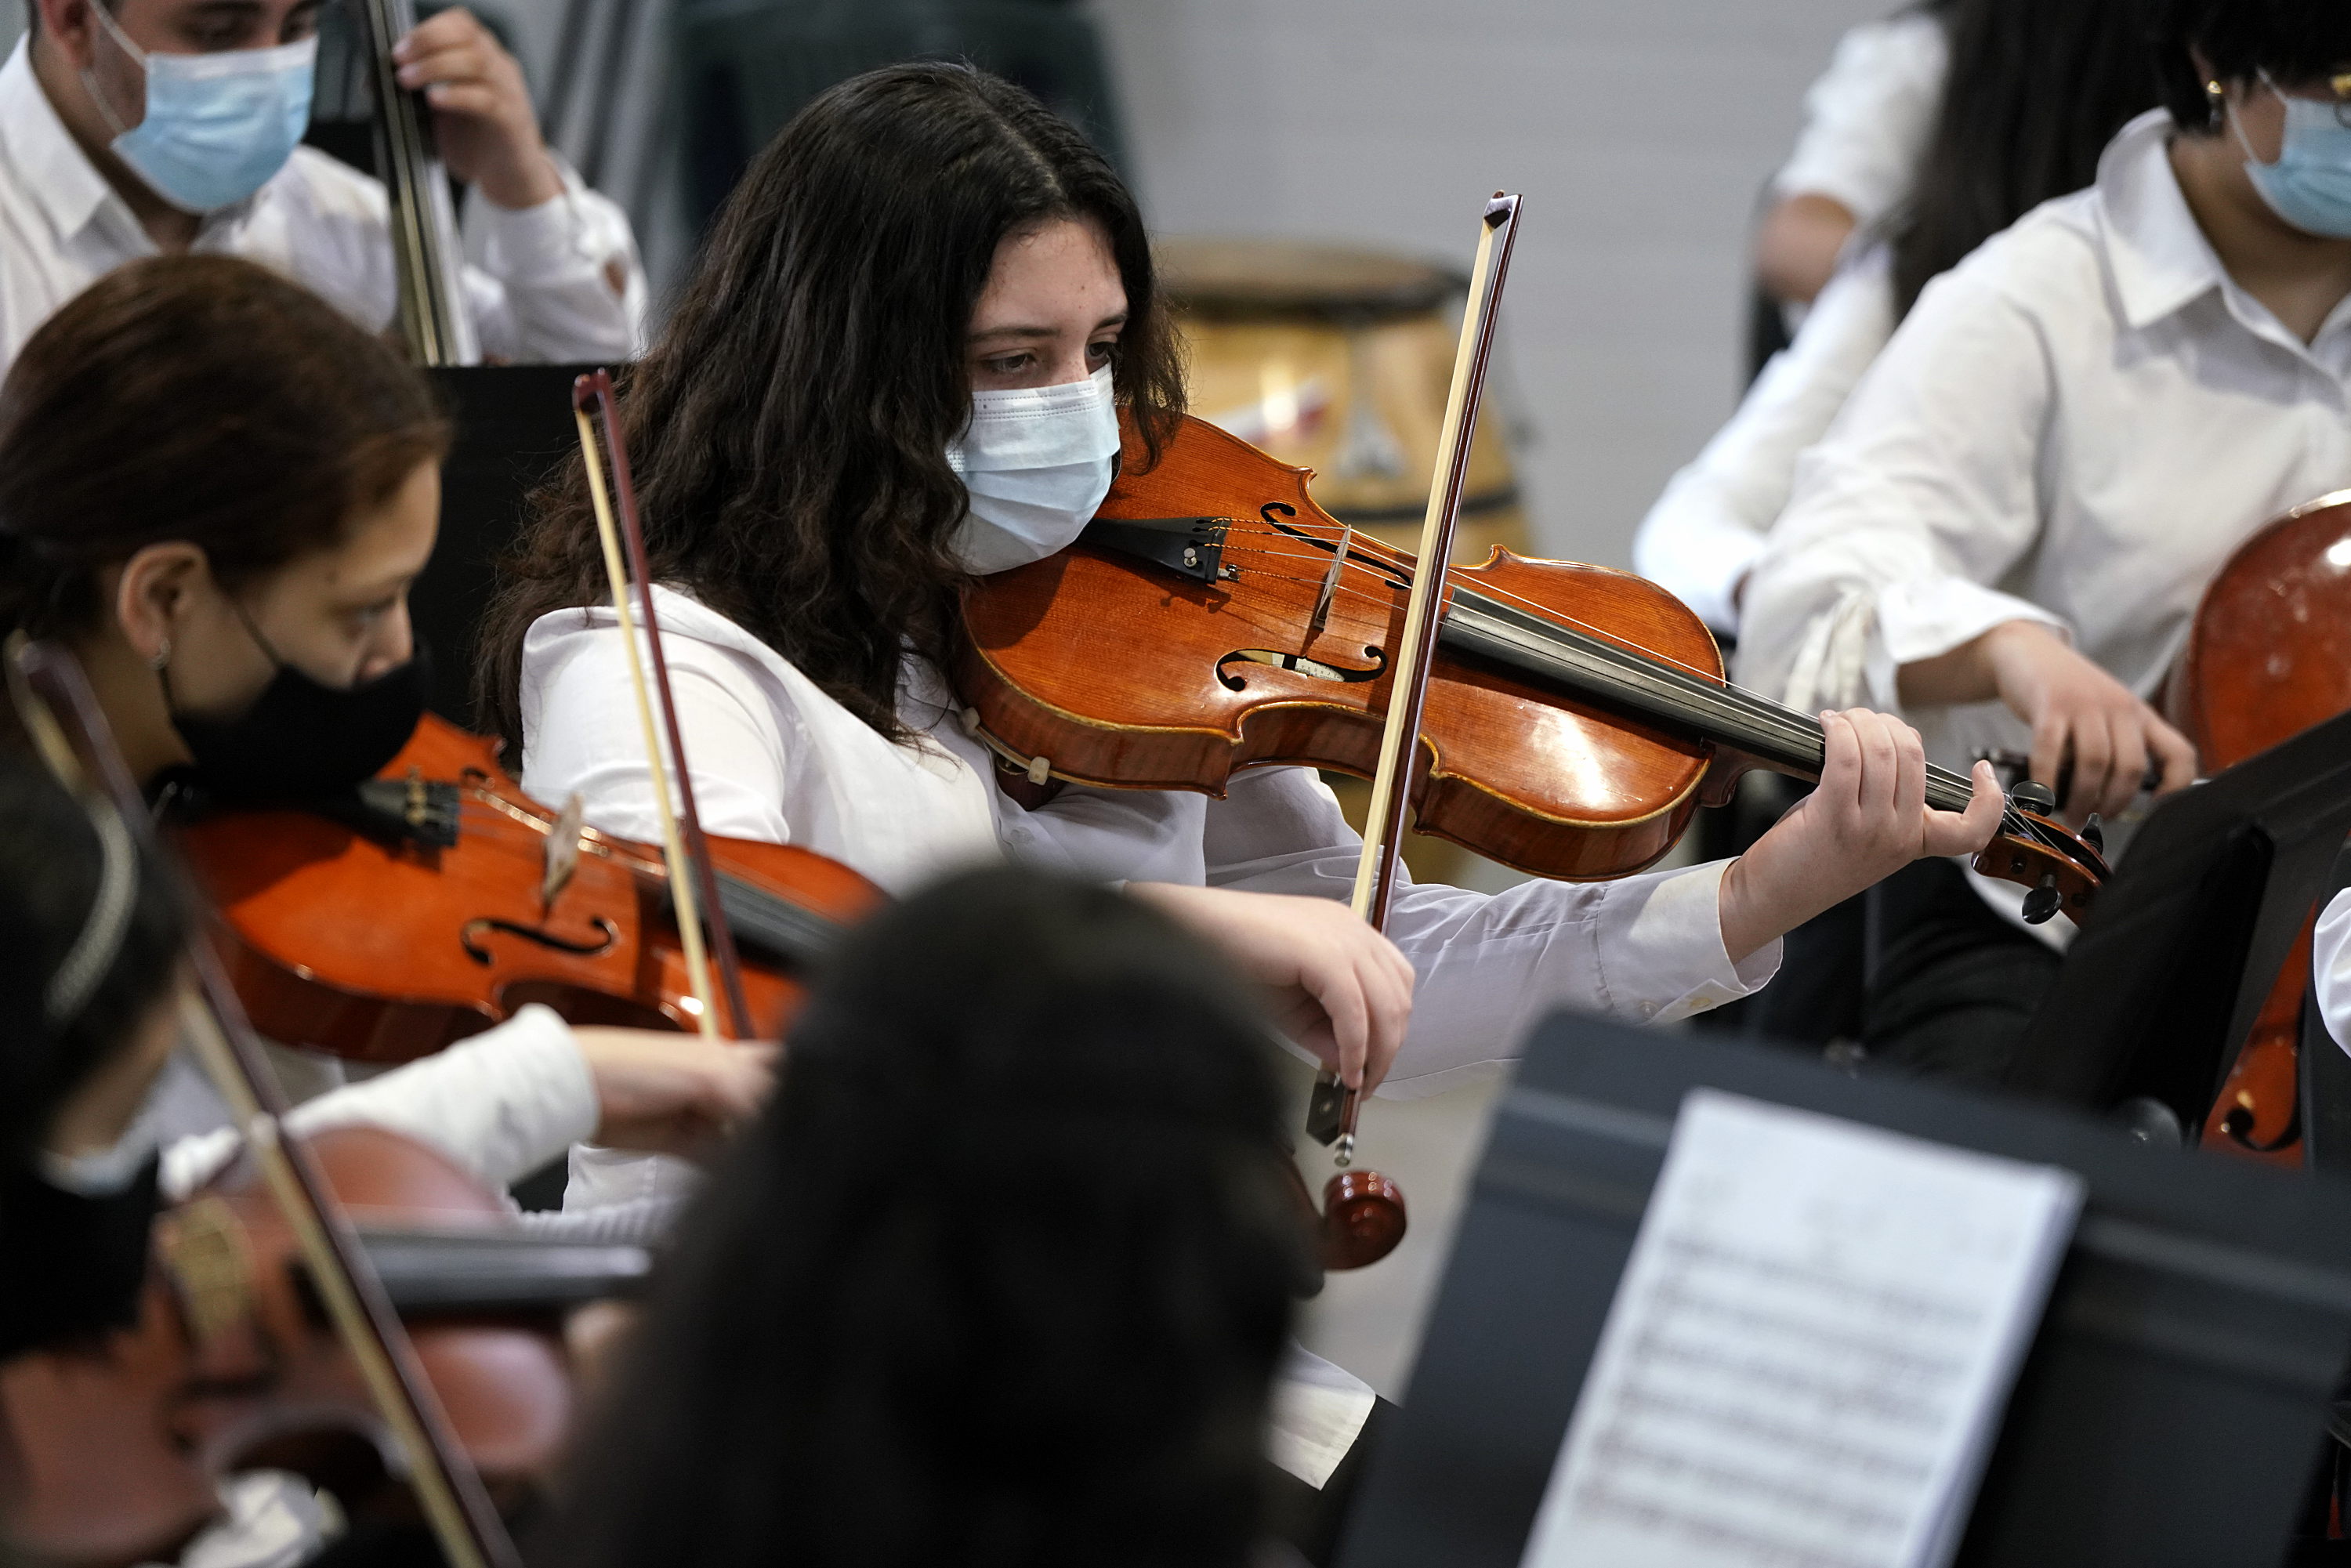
x=1639 y=132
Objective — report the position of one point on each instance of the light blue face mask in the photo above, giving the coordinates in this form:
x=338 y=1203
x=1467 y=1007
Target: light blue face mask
x=1036 y=461
x=2310 y=184
x=218 y=125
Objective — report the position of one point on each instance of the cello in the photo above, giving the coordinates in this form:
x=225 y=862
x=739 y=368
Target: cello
x=2267 y=656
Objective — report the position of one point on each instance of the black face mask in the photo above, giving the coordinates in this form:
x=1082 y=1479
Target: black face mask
x=301 y=740
x=77 y=1262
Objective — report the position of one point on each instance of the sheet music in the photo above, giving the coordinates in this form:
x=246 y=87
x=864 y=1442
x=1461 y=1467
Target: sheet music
x=1807 y=1357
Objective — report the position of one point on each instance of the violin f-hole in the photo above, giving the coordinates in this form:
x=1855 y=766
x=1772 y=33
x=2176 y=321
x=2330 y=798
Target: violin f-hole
x=471 y=935
x=1298 y=663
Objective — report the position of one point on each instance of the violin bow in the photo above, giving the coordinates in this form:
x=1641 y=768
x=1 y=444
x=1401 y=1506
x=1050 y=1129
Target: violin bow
x=693 y=879
x=428 y=267
x=70 y=733
x=1331 y=1113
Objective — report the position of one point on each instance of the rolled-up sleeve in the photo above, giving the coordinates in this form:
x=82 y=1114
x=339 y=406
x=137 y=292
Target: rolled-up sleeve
x=559 y=281
x=1907 y=516
x=1646 y=948
x=2331 y=967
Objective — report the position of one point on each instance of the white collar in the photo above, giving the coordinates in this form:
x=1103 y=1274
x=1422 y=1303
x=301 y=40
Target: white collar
x=58 y=174
x=2160 y=260
x=2160 y=256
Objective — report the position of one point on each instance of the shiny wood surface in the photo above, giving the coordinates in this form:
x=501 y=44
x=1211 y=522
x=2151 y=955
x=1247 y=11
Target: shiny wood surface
x=2268 y=655
x=383 y=951
x=119 y=1441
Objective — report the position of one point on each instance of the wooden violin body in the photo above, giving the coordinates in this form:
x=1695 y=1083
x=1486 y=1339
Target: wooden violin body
x=385 y=946
x=2268 y=655
x=120 y=1443
x=1576 y=717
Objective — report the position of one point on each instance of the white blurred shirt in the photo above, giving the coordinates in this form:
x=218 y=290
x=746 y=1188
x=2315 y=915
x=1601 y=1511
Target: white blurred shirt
x=541 y=284
x=2076 y=425
x=1868 y=119
x=1704 y=533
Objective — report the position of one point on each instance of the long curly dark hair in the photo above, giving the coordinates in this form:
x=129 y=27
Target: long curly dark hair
x=999 y=1280
x=789 y=431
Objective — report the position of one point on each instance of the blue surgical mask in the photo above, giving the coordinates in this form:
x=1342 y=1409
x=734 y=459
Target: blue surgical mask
x=218 y=125
x=2310 y=184
x=1037 y=462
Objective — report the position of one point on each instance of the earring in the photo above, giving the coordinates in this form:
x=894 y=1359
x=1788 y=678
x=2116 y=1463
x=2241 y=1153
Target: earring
x=161 y=657
x=2216 y=99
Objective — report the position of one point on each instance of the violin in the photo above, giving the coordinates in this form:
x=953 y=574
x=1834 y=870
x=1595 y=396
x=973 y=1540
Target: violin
x=428 y=262
x=121 y=1443
x=2268 y=655
x=1215 y=618
x=54 y=705
x=444 y=898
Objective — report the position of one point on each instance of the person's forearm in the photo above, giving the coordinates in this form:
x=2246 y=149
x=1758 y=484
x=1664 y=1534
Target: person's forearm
x=1967 y=674
x=1797 y=246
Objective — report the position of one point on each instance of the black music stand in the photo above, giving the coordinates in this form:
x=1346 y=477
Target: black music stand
x=514 y=427
x=2170 y=1412
x=2162 y=986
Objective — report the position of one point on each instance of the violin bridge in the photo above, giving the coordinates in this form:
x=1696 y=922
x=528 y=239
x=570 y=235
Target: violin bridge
x=1321 y=616
x=563 y=850
x=202 y=1245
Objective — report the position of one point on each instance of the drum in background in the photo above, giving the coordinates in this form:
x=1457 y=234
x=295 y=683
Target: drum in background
x=1339 y=359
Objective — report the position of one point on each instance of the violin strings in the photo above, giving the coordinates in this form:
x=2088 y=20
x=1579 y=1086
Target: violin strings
x=1777 y=718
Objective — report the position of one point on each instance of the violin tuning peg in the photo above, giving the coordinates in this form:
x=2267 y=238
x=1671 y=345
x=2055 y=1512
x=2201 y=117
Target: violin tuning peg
x=2043 y=900
x=2036 y=798
x=2094 y=835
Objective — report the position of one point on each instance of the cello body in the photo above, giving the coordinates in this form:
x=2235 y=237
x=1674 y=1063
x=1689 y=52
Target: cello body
x=2268 y=655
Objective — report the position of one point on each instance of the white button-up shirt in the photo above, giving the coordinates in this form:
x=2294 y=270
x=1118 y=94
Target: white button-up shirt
x=541 y=286
x=1702 y=537
x=2076 y=425
x=1868 y=119
x=773 y=757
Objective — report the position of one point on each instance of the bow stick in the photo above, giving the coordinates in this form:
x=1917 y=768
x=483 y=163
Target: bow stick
x=1330 y=1114
x=693 y=880
x=70 y=733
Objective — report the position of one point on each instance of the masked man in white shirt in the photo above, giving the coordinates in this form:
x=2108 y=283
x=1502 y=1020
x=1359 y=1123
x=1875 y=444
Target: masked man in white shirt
x=130 y=128
x=2007 y=532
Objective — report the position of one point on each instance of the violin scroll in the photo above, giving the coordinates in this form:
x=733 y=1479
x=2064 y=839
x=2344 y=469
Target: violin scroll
x=2058 y=869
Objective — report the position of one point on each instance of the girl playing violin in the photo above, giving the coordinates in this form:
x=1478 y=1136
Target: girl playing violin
x=903 y=363
x=217 y=491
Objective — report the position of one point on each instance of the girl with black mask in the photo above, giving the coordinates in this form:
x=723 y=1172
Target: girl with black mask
x=216 y=491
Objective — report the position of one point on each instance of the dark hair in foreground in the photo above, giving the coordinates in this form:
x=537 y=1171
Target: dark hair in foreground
x=50 y=865
x=2298 y=43
x=999 y=1280
x=2036 y=90
x=789 y=431
x=198 y=398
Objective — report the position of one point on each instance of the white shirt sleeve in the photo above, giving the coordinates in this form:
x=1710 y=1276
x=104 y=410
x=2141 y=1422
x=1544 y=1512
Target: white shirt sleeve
x=1868 y=119
x=499 y=1105
x=1647 y=948
x=1702 y=537
x=2330 y=952
x=581 y=725
x=1907 y=516
x=559 y=281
